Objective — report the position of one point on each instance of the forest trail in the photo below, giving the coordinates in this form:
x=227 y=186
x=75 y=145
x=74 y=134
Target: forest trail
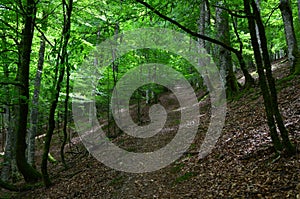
x=242 y=164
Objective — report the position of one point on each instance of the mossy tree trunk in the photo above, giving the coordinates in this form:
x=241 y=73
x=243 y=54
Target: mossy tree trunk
x=29 y=173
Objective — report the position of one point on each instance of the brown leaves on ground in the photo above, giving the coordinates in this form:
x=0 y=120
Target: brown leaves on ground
x=242 y=165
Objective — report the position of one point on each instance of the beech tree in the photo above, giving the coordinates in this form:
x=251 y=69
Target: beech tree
x=29 y=11
x=224 y=59
x=35 y=98
x=291 y=40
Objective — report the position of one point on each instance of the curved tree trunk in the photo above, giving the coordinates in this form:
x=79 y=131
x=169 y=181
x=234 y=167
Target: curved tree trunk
x=62 y=57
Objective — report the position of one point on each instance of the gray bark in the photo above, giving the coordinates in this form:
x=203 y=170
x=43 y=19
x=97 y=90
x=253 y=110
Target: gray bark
x=225 y=59
x=35 y=103
x=293 y=51
x=9 y=163
x=203 y=24
x=299 y=11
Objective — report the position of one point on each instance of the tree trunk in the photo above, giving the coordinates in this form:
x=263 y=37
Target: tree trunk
x=256 y=28
x=203 y=23
x=62 y=154
x=35 y=101
x=262 y=79
x=62 y=57
x=290 y=149
x=293 y=51
x=29 y=173
x=299 y=11
x=224 y=56
x=7 y=123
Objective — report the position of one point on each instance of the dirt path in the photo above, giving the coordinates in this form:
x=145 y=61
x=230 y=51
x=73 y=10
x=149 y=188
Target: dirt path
x=242 y=165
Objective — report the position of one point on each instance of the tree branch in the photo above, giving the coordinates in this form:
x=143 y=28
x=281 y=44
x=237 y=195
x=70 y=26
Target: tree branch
x=43 y=35
x=188 y=30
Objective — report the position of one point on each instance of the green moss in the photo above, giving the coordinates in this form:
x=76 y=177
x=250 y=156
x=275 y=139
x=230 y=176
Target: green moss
x=186 y=176
x=117 y=180
x=177 y=168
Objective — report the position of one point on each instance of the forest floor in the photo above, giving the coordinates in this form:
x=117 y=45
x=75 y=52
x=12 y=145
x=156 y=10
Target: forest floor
x=242 y=164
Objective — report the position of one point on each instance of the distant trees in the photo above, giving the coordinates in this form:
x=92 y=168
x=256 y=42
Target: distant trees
x=38 y=36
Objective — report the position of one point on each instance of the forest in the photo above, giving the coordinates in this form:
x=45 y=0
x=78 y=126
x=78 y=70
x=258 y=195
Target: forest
x=149 y=99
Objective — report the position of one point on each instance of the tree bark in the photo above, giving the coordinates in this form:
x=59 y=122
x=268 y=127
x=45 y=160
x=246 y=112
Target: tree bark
x=224 y=56
x=65 y=134
x=35 y=101
x=62 y=57
x=299 y=11
x=290 y=149
x=293 y=50
x=203 y=24
x=29 y=173
x=262 y=79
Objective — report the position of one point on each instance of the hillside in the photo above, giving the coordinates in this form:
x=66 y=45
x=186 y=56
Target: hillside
x=242 y=165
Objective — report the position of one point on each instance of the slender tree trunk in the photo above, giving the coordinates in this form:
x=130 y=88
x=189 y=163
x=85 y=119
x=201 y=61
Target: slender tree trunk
x=299 y=11
x=256 y=28
x=283 y=131
x=202 y=23
x=224 y=56
x=262 y=79
x=29 y=173
x=293 y=51
x=35 y=101
x=66 y=37
x=62 y=154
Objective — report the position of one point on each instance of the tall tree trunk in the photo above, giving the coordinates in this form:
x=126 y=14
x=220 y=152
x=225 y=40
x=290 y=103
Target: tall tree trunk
x=65 y=134
x=299 y=11
x=29 y=173
x=290 y=149
x=203 y=24
x=66 y=36
x=262 y=79
x=293 y=51
x=256 y=28
x=35 y=101
x=8 y=133
x=224 y=56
